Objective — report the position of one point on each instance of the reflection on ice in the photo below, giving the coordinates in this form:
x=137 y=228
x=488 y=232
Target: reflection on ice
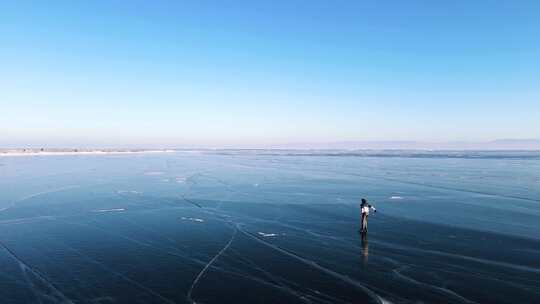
x=365 y=248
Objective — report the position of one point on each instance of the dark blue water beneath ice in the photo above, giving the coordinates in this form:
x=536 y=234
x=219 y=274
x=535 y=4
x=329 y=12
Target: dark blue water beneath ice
x=260 y=227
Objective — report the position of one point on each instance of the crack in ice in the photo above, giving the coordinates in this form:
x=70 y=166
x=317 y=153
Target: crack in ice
x=203 y=271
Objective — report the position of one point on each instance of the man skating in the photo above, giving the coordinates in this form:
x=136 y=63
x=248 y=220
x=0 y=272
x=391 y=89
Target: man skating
x=364 y=211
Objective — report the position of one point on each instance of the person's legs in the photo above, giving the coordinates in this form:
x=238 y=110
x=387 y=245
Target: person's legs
x=364 y=223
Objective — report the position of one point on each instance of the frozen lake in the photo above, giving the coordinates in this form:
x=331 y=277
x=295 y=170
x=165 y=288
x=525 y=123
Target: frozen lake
x=270 y=227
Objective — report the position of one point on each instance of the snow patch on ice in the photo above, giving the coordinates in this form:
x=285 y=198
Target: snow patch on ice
x=395 y=197
x=128 y=192
x=154 y=173
x=110 y=210
x=193 y=219
x=267 y=234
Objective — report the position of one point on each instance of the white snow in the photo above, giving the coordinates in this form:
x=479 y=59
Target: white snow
x=193 y=219
x=267 y=234
x=110 y=210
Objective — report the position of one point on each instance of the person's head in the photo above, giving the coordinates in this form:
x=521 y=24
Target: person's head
x=364 y=201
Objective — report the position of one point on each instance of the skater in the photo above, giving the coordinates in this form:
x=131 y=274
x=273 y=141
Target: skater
x=364 y=209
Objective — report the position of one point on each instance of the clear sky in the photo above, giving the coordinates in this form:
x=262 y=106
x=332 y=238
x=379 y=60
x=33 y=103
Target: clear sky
x=87 y=73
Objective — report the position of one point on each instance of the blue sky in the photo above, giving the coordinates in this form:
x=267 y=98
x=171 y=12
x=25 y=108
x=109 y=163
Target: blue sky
x=151 y=73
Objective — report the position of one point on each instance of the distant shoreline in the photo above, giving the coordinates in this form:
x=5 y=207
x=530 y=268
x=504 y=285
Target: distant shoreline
x=59 y=152
x=401 y=153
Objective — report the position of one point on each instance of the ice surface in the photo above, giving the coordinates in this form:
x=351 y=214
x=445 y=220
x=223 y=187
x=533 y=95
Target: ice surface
x=247 y=226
